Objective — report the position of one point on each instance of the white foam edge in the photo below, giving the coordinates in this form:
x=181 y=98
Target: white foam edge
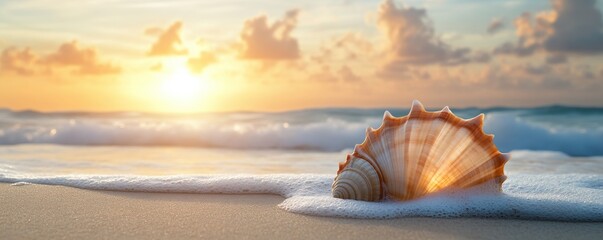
x=571 y=197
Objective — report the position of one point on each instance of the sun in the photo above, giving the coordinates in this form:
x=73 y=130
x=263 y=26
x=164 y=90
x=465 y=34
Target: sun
x=181 y=86
x=181 y=91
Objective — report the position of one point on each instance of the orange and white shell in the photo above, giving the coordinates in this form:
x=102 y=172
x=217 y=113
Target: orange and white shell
x=418 y=154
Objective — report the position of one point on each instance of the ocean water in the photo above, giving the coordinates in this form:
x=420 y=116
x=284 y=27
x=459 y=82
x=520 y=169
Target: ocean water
x=556 y=170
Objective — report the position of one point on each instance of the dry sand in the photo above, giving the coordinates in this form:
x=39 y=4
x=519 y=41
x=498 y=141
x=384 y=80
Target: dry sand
x=56 y=212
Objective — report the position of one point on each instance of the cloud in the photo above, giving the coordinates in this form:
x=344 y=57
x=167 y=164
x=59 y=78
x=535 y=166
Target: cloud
x=340 y=57
x=262 y=40
x=85 y=59
x=353 y=45
x=199 y=63
x=68 y=56
x=495 y=26
x=343 y=74
x=349 y=46
x=539 y=77
x=556 y=59
x=21 y=62
x=578 y=27
x=481 y=57
x=169 y=42
x=571 y=27
x=411 y=38
x=530 y=35
x=536 y=70
x=346 y=74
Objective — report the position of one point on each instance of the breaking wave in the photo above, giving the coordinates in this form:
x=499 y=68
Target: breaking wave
x=573 y=131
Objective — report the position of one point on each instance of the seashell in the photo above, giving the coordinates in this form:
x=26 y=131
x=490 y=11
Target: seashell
x=418 y=154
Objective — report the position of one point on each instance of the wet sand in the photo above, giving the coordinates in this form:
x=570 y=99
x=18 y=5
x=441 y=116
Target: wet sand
x=57 y=212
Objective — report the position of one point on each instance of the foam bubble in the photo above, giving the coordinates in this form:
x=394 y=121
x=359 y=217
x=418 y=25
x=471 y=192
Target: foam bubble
x=572 y=197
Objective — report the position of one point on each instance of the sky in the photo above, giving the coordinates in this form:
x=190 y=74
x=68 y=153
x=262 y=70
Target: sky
x=264 y=55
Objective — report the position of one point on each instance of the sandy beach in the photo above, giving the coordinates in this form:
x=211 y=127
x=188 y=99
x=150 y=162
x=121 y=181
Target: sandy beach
x=57 y=212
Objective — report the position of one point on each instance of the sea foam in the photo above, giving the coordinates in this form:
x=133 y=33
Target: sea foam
x=571 y=197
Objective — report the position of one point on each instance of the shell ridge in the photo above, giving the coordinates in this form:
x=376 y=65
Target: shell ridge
x=370 y=159
x=475 y=175
x=454 y=164
x=360 y=194
x=348 y=189
x=489 y=175
x=425 y=149
x=445 y=151
x=358 y=180
x=360 y=154
x=440 y=159
x=443 y=132
x=460 y=161
x=412 y=149
x=429 y=160
x=416 y=191
x=415 y=170
x=407 y=168
x=417 y=106
x=386 y=116
x=394 y=176
x=378 y=151
x=440 y=180
x=384 y=147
